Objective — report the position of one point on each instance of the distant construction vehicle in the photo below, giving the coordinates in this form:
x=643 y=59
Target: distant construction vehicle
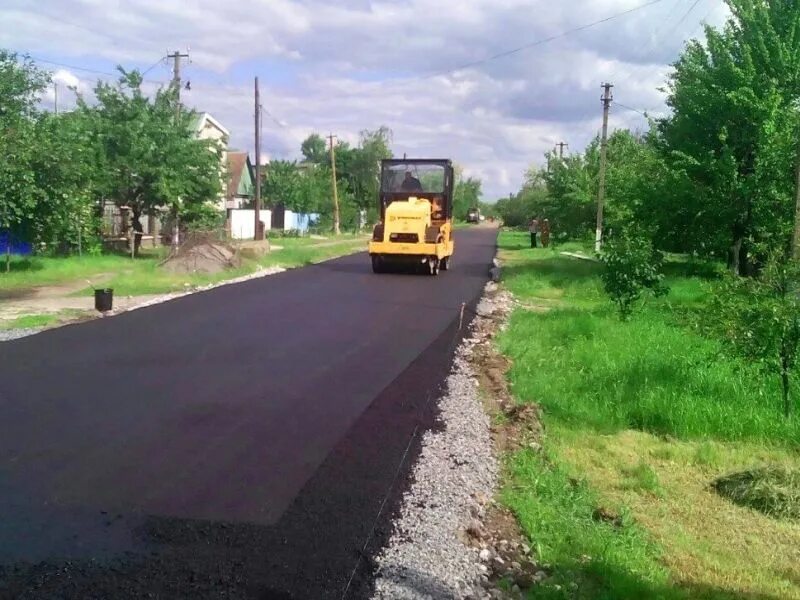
x=474 y=215
x=416 y=205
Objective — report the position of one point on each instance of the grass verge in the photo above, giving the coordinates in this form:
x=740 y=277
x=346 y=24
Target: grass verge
x=141 y=276
x=41 y=321
x=642 y=417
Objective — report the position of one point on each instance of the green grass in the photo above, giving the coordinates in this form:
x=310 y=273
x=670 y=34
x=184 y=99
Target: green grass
x=641 y=416
x=30 y=322
x=587 y=558
x=41 y=321
x=148 y=278
x=586 y=367
x=774 y=491
x=40 y=271
x=141 y=276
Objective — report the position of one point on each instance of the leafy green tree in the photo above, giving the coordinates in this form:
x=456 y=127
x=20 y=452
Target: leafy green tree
x=281 y=184
x=21 y=82
x=734 y=129
x=632 y=268
x=149 y=156
x=66 y=215
x=314 y=149
x=359 y=167
x=314 y=191
x=518 y=209
x=759 y=318
x=466 y=195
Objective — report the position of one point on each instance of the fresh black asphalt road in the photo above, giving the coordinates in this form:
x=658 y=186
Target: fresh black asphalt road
x=228 y=406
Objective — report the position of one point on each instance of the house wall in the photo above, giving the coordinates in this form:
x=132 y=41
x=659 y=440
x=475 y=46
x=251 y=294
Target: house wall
x=207 y=130
x=243 y=222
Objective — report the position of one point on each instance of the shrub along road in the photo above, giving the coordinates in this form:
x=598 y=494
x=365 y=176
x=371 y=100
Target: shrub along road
x=234 y=443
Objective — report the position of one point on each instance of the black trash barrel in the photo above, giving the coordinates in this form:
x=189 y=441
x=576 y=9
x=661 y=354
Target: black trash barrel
x=103 y=299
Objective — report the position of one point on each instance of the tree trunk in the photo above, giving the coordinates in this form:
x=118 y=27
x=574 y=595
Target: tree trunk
x=735 y=254
x=136 y=224
x=787 y=409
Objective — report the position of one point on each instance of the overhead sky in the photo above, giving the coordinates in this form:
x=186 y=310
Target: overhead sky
x=416 y=66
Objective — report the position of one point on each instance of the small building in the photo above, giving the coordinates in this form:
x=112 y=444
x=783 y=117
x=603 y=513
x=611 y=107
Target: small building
x=241 y=181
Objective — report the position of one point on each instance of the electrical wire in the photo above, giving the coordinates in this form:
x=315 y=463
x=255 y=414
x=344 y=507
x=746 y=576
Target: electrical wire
x=154 y=65
x=542 y=41
x=272 y=118
x=95 y=71
x=630 y=108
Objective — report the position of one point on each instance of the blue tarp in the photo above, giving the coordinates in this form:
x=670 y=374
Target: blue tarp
x=299 y=221
x=17 y=246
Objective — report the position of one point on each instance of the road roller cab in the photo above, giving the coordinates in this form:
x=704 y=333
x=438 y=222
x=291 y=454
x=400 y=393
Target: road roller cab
x=416 y=204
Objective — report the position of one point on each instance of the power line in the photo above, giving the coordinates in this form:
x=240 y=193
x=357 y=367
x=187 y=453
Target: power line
x=636 y=110
x=685 y=16
x=655 y=43
x=274 y=120
x=154 y=65
x=713 y=8
x=542 y=41
x=75 y=68
x=673 y=29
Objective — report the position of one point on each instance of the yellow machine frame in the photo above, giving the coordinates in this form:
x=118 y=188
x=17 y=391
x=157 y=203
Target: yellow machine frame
x=414 y=230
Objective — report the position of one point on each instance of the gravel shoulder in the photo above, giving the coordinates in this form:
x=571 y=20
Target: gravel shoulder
x=429 y=554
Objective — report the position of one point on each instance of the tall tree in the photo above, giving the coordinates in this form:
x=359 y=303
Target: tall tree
x=466 y=194
x=734 y=128
x=281 y=183
x=314 y=149
x=150 y=156
x=21 y=82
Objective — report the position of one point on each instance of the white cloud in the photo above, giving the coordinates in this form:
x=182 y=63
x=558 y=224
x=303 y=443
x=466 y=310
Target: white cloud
x=357 y=64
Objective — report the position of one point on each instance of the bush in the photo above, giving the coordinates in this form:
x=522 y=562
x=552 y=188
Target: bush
x=632 y=267
x=759 y=318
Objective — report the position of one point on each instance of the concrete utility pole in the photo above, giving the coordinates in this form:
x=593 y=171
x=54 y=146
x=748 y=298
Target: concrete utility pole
x=336 y=229
x=176 y=78
x=561 y=146
x=258 y=232
x=601 y=192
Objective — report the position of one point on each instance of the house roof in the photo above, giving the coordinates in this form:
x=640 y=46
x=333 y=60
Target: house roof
x=239 y=170
x=202 y=118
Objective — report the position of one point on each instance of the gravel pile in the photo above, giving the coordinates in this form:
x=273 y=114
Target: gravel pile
x=454 y=479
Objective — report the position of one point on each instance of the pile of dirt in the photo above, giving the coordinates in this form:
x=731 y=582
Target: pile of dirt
x=202 y=253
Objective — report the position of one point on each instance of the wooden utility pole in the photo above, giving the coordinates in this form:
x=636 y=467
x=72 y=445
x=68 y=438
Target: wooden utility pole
x=601 y=192
x=55 y=91
x=561 y=146
x=258 y=232
x=176 y=78
x=336 y=229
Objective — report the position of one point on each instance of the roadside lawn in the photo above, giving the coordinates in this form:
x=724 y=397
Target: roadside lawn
x=641 y=418
x=134 y=277
x=40 y=321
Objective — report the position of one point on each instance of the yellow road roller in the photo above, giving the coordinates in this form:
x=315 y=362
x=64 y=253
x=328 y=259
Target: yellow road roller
x=416 y=225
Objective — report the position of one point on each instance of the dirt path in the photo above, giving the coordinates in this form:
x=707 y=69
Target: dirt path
x=51 y=299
